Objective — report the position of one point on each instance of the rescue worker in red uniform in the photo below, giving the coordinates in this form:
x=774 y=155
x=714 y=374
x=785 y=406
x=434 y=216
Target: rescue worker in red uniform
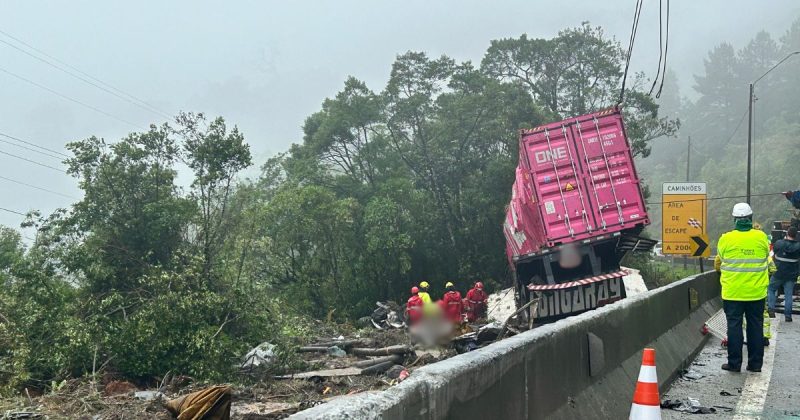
x=414 y=307
x=452 y=305
x=476 y=303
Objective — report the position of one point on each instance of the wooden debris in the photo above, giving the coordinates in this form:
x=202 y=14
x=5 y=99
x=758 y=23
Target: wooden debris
x=312 y=349
x=263 y=409
x=395 y=358
x=325 y=373
x=342 y=344
x=386 y=351
x=379 y=368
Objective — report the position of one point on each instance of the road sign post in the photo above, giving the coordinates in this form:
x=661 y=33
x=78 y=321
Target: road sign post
x=683 y=219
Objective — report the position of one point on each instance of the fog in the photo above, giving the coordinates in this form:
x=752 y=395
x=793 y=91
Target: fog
x=265 y=66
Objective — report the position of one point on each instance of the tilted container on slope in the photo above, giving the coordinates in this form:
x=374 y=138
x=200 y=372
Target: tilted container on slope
x=576 y=194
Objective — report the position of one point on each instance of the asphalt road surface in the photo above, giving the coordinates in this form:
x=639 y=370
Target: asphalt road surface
x=774 y=393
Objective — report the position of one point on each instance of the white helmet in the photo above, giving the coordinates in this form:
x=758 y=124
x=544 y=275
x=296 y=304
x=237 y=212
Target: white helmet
x=742 y=210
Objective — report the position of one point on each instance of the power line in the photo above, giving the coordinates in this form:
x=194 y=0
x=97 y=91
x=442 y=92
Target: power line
x=139 y=103
x=12 y=211
x=33 y=161
x=712 y=198
x=82 y=72
x=38 y=188
x=67 y=97
x=33 y=144
x=31 y=149
x=666 y=53
x=660 y=47
x=736 y=129
x=634 y=27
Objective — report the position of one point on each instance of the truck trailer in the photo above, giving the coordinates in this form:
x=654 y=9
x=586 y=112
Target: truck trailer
x=576 y=209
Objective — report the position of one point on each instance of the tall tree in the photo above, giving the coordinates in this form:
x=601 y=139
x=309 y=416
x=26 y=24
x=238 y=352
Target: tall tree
x=131 y=215
x=577 y=72
x=216 y=156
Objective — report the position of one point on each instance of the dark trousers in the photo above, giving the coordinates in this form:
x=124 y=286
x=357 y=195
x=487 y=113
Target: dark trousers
x=753 y=312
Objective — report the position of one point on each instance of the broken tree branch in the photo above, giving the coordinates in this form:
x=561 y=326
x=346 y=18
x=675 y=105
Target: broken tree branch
x=395 y=358
x=400 y=349
x=342 y=344
x=312 y=349
x=379 y=368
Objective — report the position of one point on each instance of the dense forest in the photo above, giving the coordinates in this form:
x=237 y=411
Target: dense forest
x=386 y=188
x=714 y=114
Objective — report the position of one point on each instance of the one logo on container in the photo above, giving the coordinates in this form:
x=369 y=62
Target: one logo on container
x=548 y=155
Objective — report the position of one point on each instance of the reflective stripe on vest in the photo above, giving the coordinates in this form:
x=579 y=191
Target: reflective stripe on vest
x=744 y=260
x=744 y=265
x=788 y=260
x=744 y=269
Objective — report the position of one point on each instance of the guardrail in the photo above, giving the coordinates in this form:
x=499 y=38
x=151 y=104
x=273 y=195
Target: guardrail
x=580 y=367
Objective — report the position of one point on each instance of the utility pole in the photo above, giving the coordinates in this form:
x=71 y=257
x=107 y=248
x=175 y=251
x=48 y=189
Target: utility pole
x=750 y=121
x=749 y=139
x=688 y=157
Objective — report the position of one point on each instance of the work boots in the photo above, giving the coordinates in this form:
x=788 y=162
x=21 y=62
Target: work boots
x=730 y=368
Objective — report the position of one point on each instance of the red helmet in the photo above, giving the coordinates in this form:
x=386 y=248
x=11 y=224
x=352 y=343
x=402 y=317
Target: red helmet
x=479 y=285
x=414 y=290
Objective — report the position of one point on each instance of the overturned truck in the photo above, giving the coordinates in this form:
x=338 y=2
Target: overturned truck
x=576 y=209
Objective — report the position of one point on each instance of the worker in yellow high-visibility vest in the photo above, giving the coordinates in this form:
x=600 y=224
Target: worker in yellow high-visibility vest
x=742 y=262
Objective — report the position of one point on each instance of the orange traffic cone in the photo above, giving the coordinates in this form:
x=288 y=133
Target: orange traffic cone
x=646 y=403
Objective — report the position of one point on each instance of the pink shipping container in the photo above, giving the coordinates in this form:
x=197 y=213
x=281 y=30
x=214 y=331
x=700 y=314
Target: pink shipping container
x=576 y=187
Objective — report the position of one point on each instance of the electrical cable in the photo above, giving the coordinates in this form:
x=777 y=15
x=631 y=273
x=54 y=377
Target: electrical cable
x=660 y=48
x=12 y=211
x=68 y=98
x=31 y=149
x=38 y=188
x=735 y=130
x=33 y=144
x=77 y=70
x=634 y=28
x=89 y=82
x=33 y=161
x=666 y=54
x=713 y=198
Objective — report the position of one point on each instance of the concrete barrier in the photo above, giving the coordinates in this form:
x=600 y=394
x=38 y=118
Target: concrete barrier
x=580 y=367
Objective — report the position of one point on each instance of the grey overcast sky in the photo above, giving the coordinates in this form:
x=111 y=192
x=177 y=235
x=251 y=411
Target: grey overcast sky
x=266 y=65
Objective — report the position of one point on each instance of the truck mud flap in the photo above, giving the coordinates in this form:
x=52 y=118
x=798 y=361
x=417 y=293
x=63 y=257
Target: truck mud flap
x=563 y=302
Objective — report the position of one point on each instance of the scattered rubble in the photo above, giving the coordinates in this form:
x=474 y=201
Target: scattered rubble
x=687 y=405
x=261 y=410
x=381 y=355
x=148 y=395
x=691 y=375
x=387 y=315
x=262 y=354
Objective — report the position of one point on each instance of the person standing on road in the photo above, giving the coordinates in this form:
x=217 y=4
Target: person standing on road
x=742 y=263
x=787 y=263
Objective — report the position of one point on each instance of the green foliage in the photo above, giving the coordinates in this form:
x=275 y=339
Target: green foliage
x=387 y=188
x=181 y=326
x=577 y=72
x=657 y=273
x=717 y=122
x=138 y=278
